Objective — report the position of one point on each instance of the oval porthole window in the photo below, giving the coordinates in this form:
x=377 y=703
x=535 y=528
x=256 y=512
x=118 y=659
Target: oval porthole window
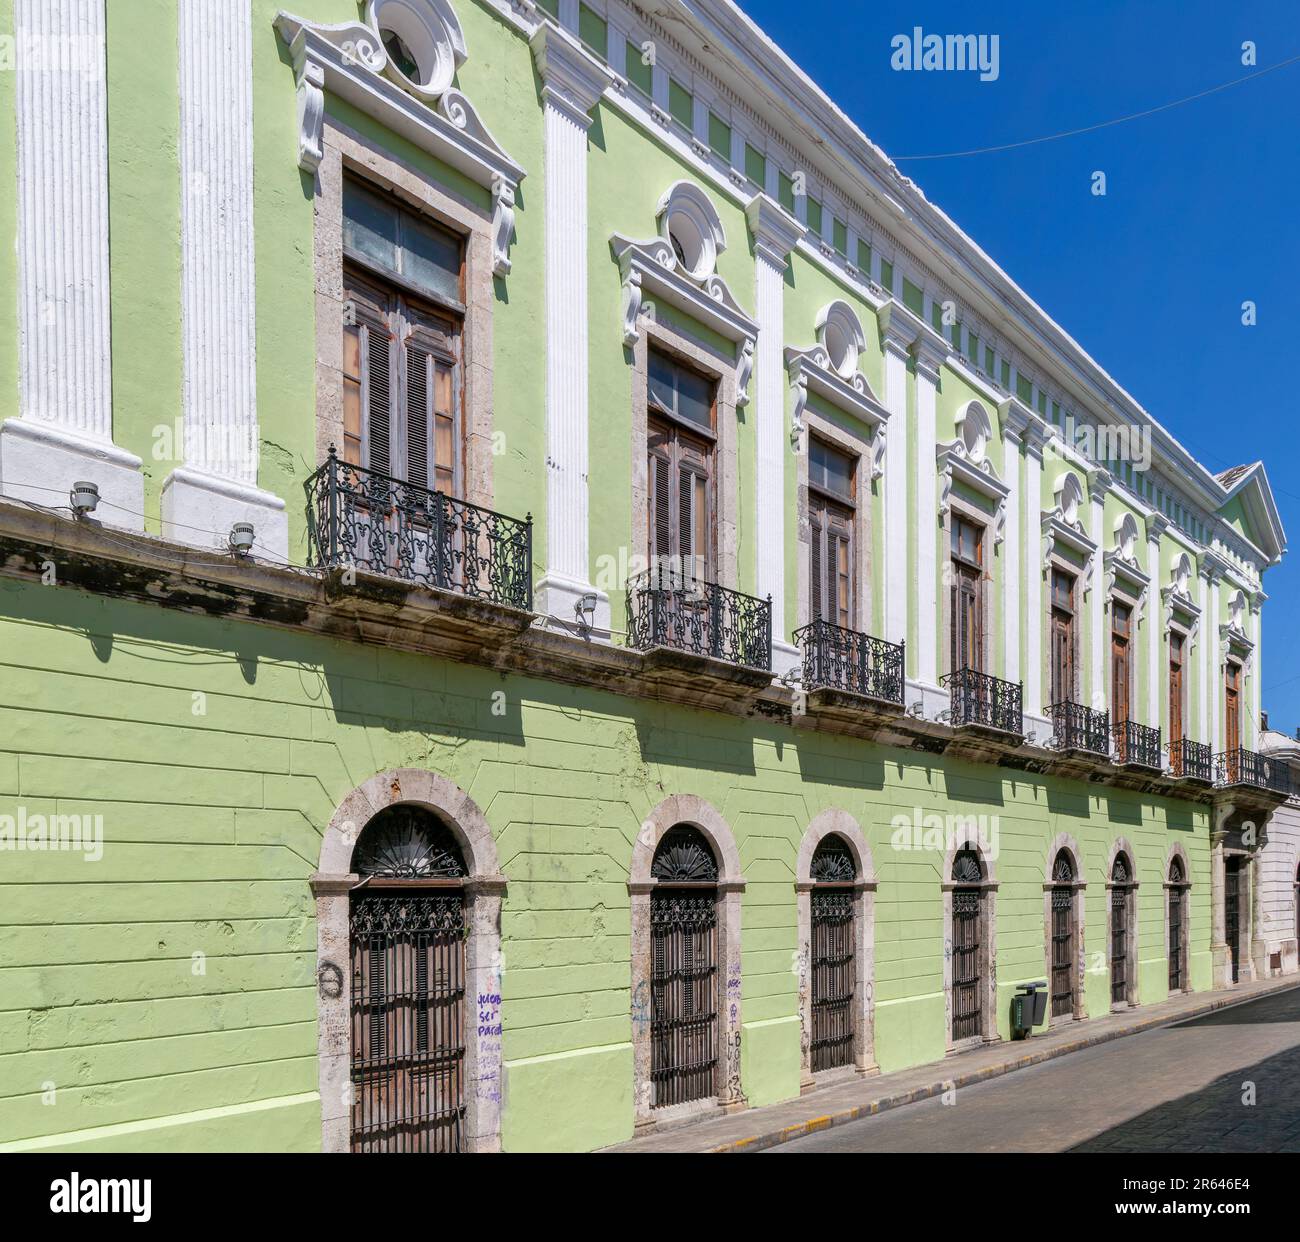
x=423 y=42
x=689 y=223
x=840 y=334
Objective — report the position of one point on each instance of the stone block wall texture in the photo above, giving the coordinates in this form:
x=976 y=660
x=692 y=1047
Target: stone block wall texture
x=164 y=996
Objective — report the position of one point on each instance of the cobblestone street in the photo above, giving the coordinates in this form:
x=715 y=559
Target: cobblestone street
x=1186 y=1087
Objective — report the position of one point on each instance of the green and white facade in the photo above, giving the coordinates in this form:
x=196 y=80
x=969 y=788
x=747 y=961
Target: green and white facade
x=175 y=302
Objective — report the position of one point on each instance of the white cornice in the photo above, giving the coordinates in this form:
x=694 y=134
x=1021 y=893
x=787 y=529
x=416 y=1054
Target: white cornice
x=1056 y=530
x=348 y=60
x=810 y=370
x=776 y=232
x=956 y=467
x=572 y=78
x=650 y=269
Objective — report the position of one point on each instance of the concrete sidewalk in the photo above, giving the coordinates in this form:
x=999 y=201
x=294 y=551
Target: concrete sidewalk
x=757 y=1128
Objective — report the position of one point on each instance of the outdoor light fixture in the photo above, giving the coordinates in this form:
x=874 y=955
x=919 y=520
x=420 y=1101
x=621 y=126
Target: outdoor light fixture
x=585 y=608
x=84 y=498
x=241 y=538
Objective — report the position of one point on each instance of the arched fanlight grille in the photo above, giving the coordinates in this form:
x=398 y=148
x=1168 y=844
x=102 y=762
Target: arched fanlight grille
x=408 y=843
x=1176 y=873
x=1063 y=868
x=967 y=868
x=833 y=863
x=684 y=854
x=1120 y=873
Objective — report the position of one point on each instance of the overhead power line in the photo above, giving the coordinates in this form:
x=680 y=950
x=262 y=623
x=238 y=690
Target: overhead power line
x=1088 y=129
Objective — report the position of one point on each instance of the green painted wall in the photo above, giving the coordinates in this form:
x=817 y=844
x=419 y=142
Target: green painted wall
x=213 y=812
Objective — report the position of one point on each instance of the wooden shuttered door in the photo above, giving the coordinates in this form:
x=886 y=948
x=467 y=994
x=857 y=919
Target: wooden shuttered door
x=1062 y=637
x=680 y=496
x=967 y=596
x=401 y=388
x=1175 y=687
x=1120 y=657
x=830 y=578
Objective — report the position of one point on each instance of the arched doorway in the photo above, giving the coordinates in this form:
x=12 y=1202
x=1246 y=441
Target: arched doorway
x=1064 y=934
x=1176 y=888
x=406 y=924
x=970 y=950
x=409 y=854
x=833 y=955
x=684 y=991
x=1123 y=938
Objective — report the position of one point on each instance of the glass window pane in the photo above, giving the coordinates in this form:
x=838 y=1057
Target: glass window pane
x=660 y=382
x=829 y=469
x=430 y=258
x=369 y=226
x=694 y=398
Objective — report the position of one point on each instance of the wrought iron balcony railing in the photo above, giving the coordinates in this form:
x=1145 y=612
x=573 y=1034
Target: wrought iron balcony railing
x=838 y=659
x=1245 y=767
x=980 y=699
x=1080 y=728
x=370 y=521
x=1192 y=760
x=1136 y=745
x=667 y=607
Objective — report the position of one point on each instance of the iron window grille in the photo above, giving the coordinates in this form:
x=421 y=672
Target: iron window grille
x=838 y=659
x=1137 y=745
x=981 y=699
x=668 y=607
x=367 y=520
x=1192 y=760
x=833 y=957
x=1076 y=727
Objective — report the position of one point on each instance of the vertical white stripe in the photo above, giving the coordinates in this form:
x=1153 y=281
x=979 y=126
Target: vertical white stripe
x=1011 y=584
x=1155 y=622
x=217 y=278
x=926 y=518
x=896 y=583
x=65 y=374
x=1033 y=575
x=1100 y=677
x=769 y=514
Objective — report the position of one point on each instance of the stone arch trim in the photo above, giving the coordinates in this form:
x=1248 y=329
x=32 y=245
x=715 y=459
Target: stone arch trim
x=968 y=836
x=1176 y=850
x=836 y=822
x=1122 y=845
x=698 y=813
x=1064 y=841
x=416 y=787
x=728 y=1094
x=484 y=891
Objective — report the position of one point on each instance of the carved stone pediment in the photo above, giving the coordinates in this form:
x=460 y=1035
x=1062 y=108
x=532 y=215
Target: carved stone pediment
x=349 y=61
x=956 y=464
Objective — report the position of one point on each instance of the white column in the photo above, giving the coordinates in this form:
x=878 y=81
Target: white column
x=1099 y=483
x=217 y=485
x=1156 y=525
x=1208 y=639
x=572 y=83
x=1215 y=680
x=1257 y=664
x=931 y=350
x=1014 y=425
x=65 y=430
x=898 y=332
x=775 y=234
x=1033 y=572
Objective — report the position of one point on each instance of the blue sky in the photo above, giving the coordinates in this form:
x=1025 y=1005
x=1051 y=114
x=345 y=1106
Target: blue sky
x=1200 y=212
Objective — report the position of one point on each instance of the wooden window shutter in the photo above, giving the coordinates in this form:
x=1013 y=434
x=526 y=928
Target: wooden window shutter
x=686 y=518
x=816 y=585
x=379 y=398
x=418 y=392
x=660 y=508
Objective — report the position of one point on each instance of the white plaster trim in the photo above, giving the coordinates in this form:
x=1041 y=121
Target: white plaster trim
x=650 y=269
x=200 y=508
x=349 y=61
x=571 y=86
x=40 y=461
x=218 y=332
x=810 y=370
x=954 y=466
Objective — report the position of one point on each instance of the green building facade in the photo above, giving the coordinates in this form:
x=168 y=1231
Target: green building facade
x=576 y=434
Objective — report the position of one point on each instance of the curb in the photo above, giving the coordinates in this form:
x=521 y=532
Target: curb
x=801 y=1129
